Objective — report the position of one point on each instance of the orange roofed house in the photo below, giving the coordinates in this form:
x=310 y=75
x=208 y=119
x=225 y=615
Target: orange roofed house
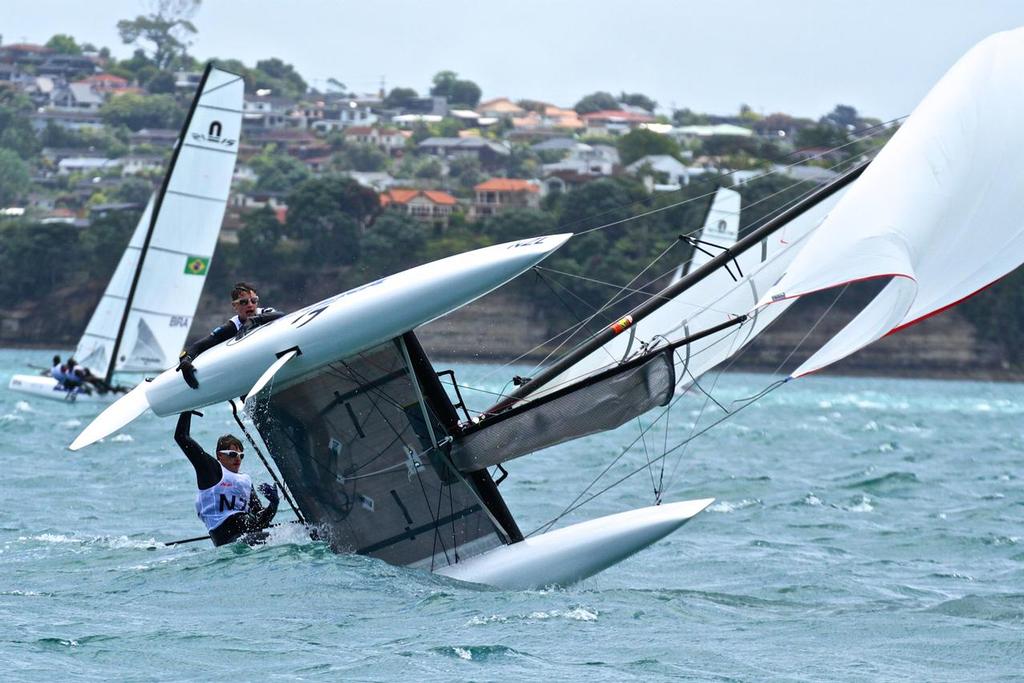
x=429 y=206
x=497 y=194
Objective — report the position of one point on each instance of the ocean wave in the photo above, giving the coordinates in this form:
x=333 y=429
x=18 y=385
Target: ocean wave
x=859 y=504
x=24 y=407
x=71 y=424
x=476 y=653
x=726 y=507
x=998 y=608
x=886 y=482
x=112 y=542
x=122 y=438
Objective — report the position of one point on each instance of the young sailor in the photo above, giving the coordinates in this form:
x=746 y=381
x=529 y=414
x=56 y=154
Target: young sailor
x=67 y=379
x=245 y=301
x=226 y=501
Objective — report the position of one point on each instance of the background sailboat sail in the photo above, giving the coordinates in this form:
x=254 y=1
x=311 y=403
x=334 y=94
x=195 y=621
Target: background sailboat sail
x=939 y=212
x=721 y=229
x=175 y=242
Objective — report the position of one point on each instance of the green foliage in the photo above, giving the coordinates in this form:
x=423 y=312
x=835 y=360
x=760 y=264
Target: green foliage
x=280 y=78
x=28 y=254
x=638 y=100
x=14 y=177
x=823 y=135
x=400 y=98
x=15 y=129
x=598 y=101
x=277 y=172
x=466 y=171
x=103 y=242
x=358 y=157
x=685 y=117
x=167 y=29
x=395 y=242
x=329 y=214
x=459 y=92
x=134 y=191
x=143 y=111
x=162 y=82
x=641 y=142
x=515 y=224
x=523 y=162
x=64 y=44
x=259 y=238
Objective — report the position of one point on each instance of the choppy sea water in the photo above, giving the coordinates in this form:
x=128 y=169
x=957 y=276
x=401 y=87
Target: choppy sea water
x=864 y=529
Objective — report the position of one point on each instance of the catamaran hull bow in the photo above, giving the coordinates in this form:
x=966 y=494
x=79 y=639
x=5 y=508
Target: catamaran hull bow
x=574 y=553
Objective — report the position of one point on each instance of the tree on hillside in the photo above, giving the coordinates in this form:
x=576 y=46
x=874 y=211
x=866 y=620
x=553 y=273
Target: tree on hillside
x=259 y=236
x=277 y=171
x=64 y=44
x=15 y=129
x=686 y=117
x=142 y=111
x=168 y=29
x=641 y=142
x=638 y=100
x=329 y=213
x=515 y=224
x=598 y=101
x=458 y=91
x=14 y=177
x=25 y=248
x=280 y=78
x=400 y=98
x=394 y=243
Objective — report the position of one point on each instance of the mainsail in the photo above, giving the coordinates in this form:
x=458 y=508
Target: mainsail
x=720 y=231
x=144 y=315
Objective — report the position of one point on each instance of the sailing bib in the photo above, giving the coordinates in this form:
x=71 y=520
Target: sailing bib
x=227 y=497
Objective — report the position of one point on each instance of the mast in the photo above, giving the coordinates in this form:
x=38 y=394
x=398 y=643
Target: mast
x=152 y=225
x=664 y=296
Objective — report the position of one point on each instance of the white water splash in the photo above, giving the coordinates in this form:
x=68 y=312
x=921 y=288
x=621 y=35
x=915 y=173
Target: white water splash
x=463 y=653
x=726 y=507
x=71 y=424
x=123 y=438
x=23 y=407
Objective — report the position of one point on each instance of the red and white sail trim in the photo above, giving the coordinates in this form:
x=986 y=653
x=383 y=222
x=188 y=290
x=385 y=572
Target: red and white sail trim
x=939 y=212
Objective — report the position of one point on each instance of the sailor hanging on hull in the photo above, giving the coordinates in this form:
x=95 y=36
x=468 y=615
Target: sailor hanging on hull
x=226 y=501
x=245 y=301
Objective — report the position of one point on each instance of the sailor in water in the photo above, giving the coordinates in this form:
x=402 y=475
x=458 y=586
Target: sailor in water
x=226 y=501
x=248 y=315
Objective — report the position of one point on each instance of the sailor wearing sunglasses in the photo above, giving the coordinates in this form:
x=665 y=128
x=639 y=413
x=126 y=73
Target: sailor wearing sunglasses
x=226 y=502
x=248 y=314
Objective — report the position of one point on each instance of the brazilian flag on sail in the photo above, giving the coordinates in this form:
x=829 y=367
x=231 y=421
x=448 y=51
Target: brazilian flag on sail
x=196 y=265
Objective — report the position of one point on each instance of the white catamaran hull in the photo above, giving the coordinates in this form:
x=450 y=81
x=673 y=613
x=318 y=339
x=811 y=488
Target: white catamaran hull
x=331 y=329
x=573 y=553
x=40 y=386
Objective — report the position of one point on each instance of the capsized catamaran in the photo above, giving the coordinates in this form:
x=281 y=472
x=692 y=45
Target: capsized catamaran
x=143 y=318
x=375 y=454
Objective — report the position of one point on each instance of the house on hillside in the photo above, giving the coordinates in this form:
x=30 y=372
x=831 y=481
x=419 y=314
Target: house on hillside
x=500 y=108
x=265 y=111
x=155 y=137
x=391 y=141
x=343 y=113
x=498 y=194
x=614 y=121
x=489 y=152
x=583 y=159
x=77 y=96
x=429 y=206
x=665 y=170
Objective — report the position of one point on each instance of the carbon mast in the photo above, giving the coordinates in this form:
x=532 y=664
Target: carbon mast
x=152 y=224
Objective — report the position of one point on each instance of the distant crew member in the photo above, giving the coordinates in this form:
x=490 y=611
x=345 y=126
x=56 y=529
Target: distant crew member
x=54 y=367
x=226 y=502
x=247 y=316
x=67 y=378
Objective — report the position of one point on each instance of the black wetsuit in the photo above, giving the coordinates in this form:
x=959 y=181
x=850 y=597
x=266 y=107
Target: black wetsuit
x=231 y=328
x=208 y=473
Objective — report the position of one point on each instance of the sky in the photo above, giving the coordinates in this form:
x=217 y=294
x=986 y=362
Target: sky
x=800 y=57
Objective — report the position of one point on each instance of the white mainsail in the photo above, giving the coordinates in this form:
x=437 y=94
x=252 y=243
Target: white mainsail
x=939 y=212
x=179 y=250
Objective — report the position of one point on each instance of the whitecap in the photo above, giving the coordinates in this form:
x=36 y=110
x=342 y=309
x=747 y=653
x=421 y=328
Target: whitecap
x=10 y=417
x=863 y=505
x=887 y=447
x=726 y=506
x=24 y=407
x=123 y=438
x=493 y=619
x=871 y=426
x=812 y=500
x=463 y=653
x=71 y=424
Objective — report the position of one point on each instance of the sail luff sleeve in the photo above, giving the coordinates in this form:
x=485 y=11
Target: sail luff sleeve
x=657 y=301
x=152 y=221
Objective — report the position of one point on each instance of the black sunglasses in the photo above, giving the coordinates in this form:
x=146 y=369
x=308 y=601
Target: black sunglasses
x=232 y=454
x=245 y=302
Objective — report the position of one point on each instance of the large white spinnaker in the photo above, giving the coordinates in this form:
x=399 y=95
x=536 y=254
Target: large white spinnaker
x=939 y=212
x=179 y=247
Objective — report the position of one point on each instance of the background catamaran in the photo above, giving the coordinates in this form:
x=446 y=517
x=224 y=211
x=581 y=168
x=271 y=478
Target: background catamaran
x=375 y=455
x=142 y=320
